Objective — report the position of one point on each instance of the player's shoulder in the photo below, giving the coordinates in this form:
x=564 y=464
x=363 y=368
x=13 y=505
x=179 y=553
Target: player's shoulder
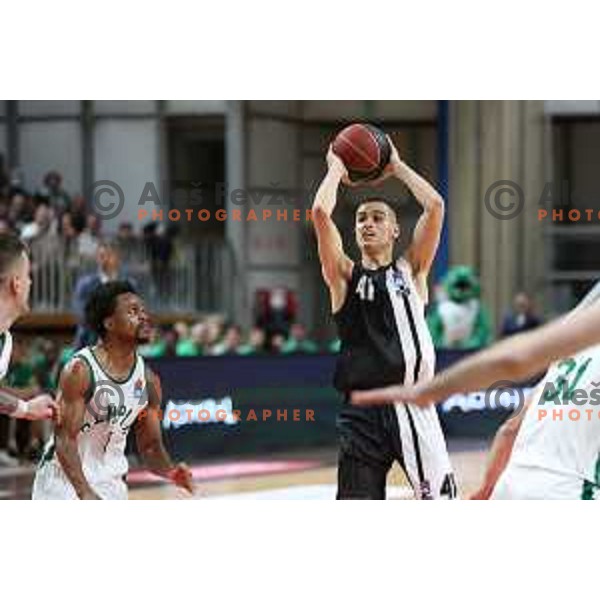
x=77 y=376
x=77 y=366
x=418 y=277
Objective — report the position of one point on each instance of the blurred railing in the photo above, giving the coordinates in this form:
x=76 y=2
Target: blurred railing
x=198 y=277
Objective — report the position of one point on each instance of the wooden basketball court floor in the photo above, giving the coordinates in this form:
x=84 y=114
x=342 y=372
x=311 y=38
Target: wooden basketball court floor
x=308 y=475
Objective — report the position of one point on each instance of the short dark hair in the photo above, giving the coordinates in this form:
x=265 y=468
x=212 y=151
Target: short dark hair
x=103 y=302
x=11 y=249
x=111 y=244
x=389 y=203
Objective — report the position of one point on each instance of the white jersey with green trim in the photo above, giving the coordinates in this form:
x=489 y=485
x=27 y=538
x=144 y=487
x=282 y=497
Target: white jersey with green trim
x=6 y=352
x=557 y=451
x=111 y=409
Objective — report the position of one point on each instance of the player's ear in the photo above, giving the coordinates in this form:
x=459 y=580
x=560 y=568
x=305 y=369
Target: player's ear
x=109 y=323
x=14 y=284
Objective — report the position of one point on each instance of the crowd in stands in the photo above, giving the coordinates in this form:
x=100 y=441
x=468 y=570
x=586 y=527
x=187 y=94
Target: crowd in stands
x=59 y=227
x=213 y=337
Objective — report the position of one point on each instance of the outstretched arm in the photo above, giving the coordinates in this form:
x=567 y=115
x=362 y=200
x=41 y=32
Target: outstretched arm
x=73 y=387
x=149 y=439
x=335 y=265
x=515 y=359
x=15 y=405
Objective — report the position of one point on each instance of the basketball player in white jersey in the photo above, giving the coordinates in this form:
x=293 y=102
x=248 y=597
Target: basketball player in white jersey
x=378 y=305
x=104 y=391
x=551 y=450
x=15 y=283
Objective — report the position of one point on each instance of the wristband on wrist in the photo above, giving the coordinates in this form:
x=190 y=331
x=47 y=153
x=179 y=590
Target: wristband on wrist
x=22 y=409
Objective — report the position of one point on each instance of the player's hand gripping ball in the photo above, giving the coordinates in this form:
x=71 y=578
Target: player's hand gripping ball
x=365 y=151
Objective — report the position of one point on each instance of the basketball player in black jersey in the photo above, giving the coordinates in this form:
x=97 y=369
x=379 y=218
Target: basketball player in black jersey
x=378 y=305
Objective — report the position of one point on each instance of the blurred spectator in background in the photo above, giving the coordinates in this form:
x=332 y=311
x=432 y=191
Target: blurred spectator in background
x=170 y=339
x=108 y=269
x=298 y=343
x=42 y=227
x=163 y=344
x=89 y=239
x=194 y=344
x=182 y=329
x=276 y=344
x=155 y=347
x=128 y=248
x=45 y=359
x=5 y=226
x=70 y=230
x=275 y=310
x=334 y=346
x=460 y=320
x=255 y=344
x=159 y=248
x=522 y=317
x=53 y=194
x=45 y=246
x=214 y=332
x=20 y=212
x=16 y=185
x=230 y=343
x=79 y=209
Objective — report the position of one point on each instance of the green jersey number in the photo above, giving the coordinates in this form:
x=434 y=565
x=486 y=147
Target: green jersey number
x=570 y=373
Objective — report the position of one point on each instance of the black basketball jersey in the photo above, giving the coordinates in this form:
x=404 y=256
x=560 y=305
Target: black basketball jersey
x=382 y=328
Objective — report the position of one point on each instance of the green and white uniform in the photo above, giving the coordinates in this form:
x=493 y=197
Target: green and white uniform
x=557 y=451
x=111 y=409
x=5 y=352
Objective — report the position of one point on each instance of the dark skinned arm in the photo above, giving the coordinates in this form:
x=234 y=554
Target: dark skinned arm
x=72 y=389
x=149 y=439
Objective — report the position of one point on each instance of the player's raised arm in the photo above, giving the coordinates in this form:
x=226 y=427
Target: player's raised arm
x=73 y=387
x=149 y=439
x=426 y=236
x=514 y=359
x=335 y=265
